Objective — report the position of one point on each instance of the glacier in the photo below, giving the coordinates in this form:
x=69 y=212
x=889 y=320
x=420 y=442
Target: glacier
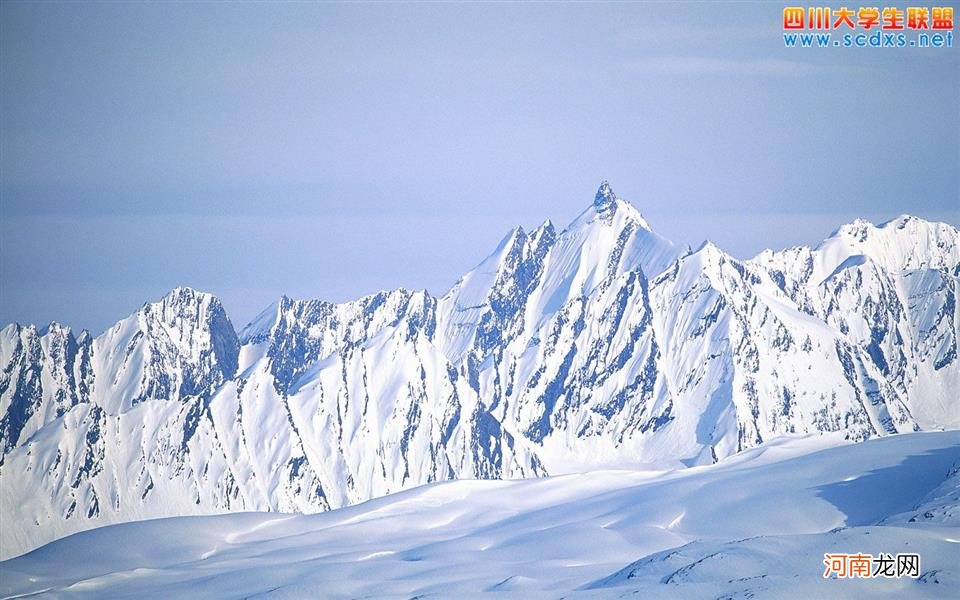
x=599 y=346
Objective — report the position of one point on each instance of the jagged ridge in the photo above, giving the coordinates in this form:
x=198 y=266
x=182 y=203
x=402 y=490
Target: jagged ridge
x=602 y=344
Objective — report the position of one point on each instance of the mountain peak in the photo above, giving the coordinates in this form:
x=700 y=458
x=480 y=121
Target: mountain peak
x=183 y=293
x=605 y=196
x=56 y=328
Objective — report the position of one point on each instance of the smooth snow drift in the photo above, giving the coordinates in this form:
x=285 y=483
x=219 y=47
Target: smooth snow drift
x=756 y=524
x=597 y=346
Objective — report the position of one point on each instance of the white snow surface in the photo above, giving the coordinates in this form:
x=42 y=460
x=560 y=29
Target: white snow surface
x=753 y=525
x=598 y=346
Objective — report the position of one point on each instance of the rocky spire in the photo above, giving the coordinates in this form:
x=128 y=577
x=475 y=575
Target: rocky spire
x=605 y=196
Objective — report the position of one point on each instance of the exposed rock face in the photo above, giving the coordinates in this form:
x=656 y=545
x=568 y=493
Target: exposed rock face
x=603 y=344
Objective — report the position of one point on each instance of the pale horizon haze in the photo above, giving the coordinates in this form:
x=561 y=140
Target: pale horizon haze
x=334 y=150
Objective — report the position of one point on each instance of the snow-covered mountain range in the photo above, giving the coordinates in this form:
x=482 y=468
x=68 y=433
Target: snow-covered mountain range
x=599 y=345
x=756 y=525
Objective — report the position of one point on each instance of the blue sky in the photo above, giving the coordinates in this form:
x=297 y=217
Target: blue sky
x=325 y=150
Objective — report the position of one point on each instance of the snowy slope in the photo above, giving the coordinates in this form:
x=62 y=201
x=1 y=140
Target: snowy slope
x=753 y=525
x=601 y=345
x=891 y=290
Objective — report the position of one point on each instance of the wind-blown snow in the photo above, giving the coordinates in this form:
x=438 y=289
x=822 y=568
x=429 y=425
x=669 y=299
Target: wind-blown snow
x=753 y=525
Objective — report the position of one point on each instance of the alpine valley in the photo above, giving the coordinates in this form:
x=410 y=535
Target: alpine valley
x=599 y=346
